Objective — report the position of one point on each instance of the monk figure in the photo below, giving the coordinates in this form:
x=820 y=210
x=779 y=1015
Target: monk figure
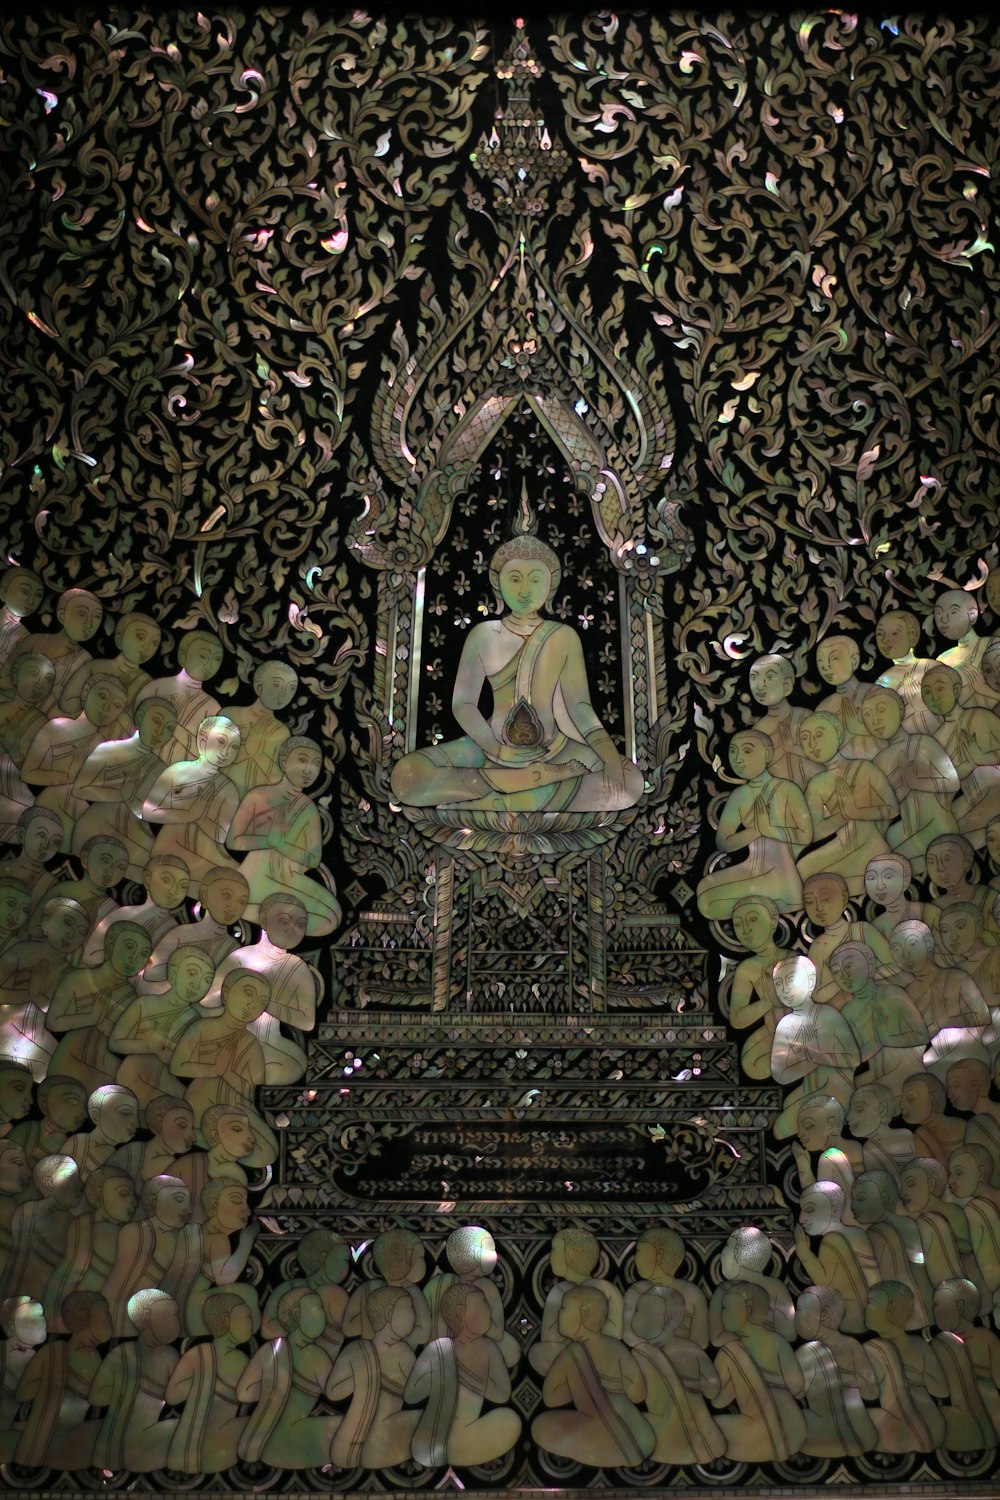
x=15 y=1094
x=760 y=1376
x=195 y=801
x=115 y=780
x=838 y=1378
x=826 y=900
x=39 y=834
x=970 y=736
x=819 y=1129
x=375 y=1432
x=138 y=639
x=890 y=1031
x=772 y=680
x=63 y=1106
x=114 y=1114
x=543 y=745
x=948 y=999
x=223 y=899
x=89 y=1002
x=951 y=871
x=56 y=1386
x=157 y=1250
x=955 y=616
x=131 y=1384
x=962 y=933
x=400 y=1259
x=896 y=637
x=200 y=656
x=225 y=1212
x=455 y=1374
x=58 y=751
x=148 y=1030
x=678 y=1376
x=171 y=1122
x=884 y=1147
x=837 y=661
x=325 y=1260
x=753 y=1000
x=887 y=885
x=40 y=1227
x=745 y=1256
x=220 y=1054
x=908 y=1374
x=969 y=1172
x=166 y=880
x=79 y=614
x=970 y=1359
x=920 y=773
x=851 y=804
x=31 y=968
x=814 y=1048
x=968 y=1087
x=942 y=1226
x=92 y=1243
x=597 y=1376
x=104 y=861
x=574 y=1257
x=21 y=593
x=922 y=1102
x=205 y=1380
x=659 y=1252
x=895 y=1239
x=22 y=1320
x=275 y=684
x=21 y=717
x=843 y=1259
x=472 y=1258
x=285 y=1379
x=280 y=827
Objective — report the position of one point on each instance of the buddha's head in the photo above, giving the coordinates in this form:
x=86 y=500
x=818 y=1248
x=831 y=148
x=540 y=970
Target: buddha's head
x=525 y=574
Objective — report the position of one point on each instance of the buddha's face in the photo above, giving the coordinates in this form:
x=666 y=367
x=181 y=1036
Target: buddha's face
x=140 y=639
x=808 y=1320
x=14 y=908
x=813 y=1128
x=15 y=1094
x=233 y=1212
x=963 y=1175
x=33 y=677
x=200 y=656
x=312 y=1316
x=885 y=881
x=177 y=1131
x=66 y=1106
x=963 y=1090
x=819 y=739
x=915 y=1104
x=118 y=1200
x=895 y=635
x=235 y=1137
x=15 y=1174
x=104 y=701
x=156 y=722
x=747 y=756
x=106 y=863
x=246 y=998
x=128 y=951
x=881 y=715
x=65 y=929
x=302 y=766
x=850 y=970
x=22 y=593
x=275 y=684
x=119 y=1118
x=863 y=1115
x=770 y=682
x=226 y=899
x=192 y=976
x=42 y=838
x=939 y=692
x=958 y=931
x=754 y=926
x=173 y=1206
x=80 y=615
x=955 y=613
x=219 y=746
x=823 y=901
x=167 y=885
x=947 y=864
x=914 y=1190
x=524 y=585
x=836 y=661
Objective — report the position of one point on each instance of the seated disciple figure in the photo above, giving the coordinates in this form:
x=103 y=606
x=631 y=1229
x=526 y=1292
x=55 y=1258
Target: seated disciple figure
x=659 y=1252
x=472 y=1259
x=31 y=968
x=38 y=833
x=678 y=1376
x=920 y=773
x=760 y=1376
x=138 y=640
x=161 y=1249
x=114 y=1115
x=766 y=817
x=887 y=883
x=970 y=737
x=826 y=900
x=883 y=1146
x=838 y=1378
x=220 y=1055
x=40 y=1226
x=597 y=1376
x=275 y=684
x=851 y=804
x=171 y=1122
x=147 y=1031
x=753 y=1000
x=837 y=661
x=897 y=635
x=200 y=656
x=834 y=1253
x=15 y=1182
x=60 y=749
x=922 y=1102
x=745 y=1256
x=15 y=1094
x=401 y=1261
x=454 y=1374
x=21 y=717
x=115 y=780
x=204 y=1383
x=968 y=1085
x=285 y=1380
x=822 y=1154
x=895 y=1239
x=15 y=906
x=970 y=1359
x=953 y=876
x=195 y=802
x=325 y=1260
x=225 y=1212
x=890 y=1030
x=954 y=1011
x=22 y=1320
x=279 y=828
x=223 y=900
x=92 y=1242
x=969 y=1173
x=55 y=1386
x=131 y=1387
x=104 y=861
x=962 y=935
x=89 y=1002
x=375 y=1432
x=814 y=1049
x=79 y=614
x=62 y=1105
x=574 y=1258
x=543 y=746
x=166 y=880
x=21 y=593
x=907 y=1372
x=942 y=1226
x=955 y=616
x=772 y=680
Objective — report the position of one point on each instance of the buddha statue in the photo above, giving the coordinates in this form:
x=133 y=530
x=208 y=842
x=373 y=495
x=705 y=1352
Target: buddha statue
x=543 y=746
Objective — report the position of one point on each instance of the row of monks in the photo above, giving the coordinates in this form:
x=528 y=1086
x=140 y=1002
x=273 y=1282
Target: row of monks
x=398 y=1367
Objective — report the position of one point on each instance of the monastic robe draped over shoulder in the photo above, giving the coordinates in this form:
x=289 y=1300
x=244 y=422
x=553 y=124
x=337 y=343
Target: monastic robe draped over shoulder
x=39 y=1429
x=686 y=1432
x=277 y=1374
x=623 y=1422
x=758 y=1404
x=123 y=1365
x=430 y=1440
x=185 y=1448
x=370 y=1382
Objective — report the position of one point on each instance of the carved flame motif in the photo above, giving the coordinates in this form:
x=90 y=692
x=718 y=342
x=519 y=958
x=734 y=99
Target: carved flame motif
x=523 y=726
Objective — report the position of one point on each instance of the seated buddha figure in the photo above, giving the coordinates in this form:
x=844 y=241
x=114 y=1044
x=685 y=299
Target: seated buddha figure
x=543 y=746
